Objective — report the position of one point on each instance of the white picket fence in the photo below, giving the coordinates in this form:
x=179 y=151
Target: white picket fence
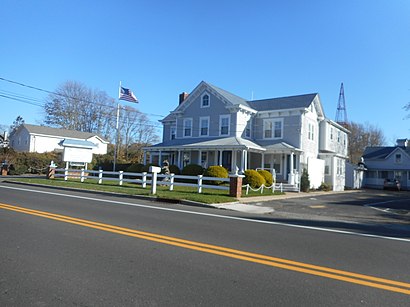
x=140 y=178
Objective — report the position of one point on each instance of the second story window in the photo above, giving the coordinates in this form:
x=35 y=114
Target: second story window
x=204 y=126
x=331 y=133
x=187 y=127
x=224 y=124
x=205 y=101
x=173 y=132
x=248 y=129
x=311 y=132
x=272 y=129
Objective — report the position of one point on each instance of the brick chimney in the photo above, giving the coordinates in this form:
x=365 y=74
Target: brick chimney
x=182 y=97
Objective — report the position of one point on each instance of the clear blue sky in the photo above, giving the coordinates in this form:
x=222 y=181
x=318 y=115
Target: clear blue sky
x=160 y=48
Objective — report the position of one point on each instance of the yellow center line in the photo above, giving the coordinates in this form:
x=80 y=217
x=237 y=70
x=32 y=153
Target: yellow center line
x=361 y=279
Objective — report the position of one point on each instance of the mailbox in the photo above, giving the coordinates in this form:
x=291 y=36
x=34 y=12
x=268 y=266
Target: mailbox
x=154 y=169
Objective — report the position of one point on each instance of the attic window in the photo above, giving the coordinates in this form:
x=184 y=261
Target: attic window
x=205 y=101
x=398 y=158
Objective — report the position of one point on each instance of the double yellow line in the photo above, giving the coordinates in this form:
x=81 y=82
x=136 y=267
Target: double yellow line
x=365 y=280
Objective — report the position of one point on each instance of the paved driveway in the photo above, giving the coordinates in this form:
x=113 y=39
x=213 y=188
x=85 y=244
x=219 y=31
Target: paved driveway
x=374 y=211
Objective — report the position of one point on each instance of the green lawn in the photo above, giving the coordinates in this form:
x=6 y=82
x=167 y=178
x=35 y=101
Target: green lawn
x=208 y=196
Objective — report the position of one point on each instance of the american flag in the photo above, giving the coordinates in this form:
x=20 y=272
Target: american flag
x=127 y=95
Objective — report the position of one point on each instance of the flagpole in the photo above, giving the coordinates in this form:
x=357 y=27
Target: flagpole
x=116 y=129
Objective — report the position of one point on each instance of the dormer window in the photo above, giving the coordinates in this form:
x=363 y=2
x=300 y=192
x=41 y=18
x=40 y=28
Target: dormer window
x=205 y=101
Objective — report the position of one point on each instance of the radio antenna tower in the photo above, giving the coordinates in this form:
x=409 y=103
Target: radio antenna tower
x=341 y=115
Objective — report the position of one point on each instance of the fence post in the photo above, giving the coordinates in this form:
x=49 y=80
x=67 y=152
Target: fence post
x=200 y=183
x=154 y=170
x=121 y=176
x=144 y=180
x=172 y=178
x=82 y=175
x=100 y=176
x=235 y=185
x=51 y=172
x=66 y=173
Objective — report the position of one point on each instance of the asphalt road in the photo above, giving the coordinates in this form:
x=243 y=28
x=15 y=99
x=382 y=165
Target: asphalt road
x=61 y=248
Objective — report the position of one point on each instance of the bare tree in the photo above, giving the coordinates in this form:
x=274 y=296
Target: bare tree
x=136 y=130
x=362 y=136
x=17 y=123
x=76 y=107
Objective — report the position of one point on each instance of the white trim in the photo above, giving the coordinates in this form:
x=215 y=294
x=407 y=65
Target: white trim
x=272 y=121
x=184 y=127
x=221 y=117
x=202 y=100
x=200 y=125
x=170 y=132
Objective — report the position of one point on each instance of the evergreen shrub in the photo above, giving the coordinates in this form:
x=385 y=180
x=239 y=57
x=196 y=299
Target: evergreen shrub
x=267 y=175
x=253 y=178
x=304 y=181
x=218 y=172
x=193 y=170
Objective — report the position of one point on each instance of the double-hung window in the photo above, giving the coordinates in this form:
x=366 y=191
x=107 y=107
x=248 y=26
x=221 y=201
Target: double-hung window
x=224 y=122
x=311 y=132
x=248 y=129
x=187 y=127
x=173 y=132
x=204 y=126
x=272 y=128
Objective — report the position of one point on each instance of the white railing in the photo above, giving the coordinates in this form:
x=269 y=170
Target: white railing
x=141 y=178
x=273 y=187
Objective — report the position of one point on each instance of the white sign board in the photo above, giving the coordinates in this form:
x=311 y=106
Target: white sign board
x=75 y=154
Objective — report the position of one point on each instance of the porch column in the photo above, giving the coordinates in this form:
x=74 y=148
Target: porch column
x=233 y=162
x=199 y=157
x=215 y=157
x=291 y=178
x=242 y=170
x=179 y=159
x=263 y=160
x=220 y=157
x=144 y=158
x=150 y=158
x=160 y=158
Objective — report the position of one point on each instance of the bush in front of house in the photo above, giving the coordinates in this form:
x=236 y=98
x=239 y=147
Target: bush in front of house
x=192 y=170
x=217 y=172
x=267 y=175
x=325 y=187
x=304 y=181
x=174 y=169
x=135 y=168
x=253 y=178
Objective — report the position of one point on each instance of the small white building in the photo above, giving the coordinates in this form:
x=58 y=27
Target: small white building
x=32 y=138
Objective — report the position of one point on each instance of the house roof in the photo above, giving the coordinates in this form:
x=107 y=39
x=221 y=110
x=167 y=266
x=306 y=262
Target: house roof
x=232 y=98
x=65 y=133
x=289 y=102
x=379 y=153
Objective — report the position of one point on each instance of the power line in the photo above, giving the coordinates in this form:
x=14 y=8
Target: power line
x=66 y=96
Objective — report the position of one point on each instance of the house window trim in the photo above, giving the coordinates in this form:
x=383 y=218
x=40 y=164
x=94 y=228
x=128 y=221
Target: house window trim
x=200 y=125
x=221 y=117
x=173 y=128
x=184 y=127
x=248 y=127
x=273 y=121
x=202 y=100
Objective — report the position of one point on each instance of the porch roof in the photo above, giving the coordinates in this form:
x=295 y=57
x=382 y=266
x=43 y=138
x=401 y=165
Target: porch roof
x=229 y=143
x=281 y=147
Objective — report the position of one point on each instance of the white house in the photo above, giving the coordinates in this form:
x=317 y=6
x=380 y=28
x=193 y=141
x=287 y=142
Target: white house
x=32 y=138
x=387 y=163
x=211 y=126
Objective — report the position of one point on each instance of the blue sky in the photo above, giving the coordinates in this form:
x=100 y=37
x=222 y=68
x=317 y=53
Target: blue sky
x=159 y=49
